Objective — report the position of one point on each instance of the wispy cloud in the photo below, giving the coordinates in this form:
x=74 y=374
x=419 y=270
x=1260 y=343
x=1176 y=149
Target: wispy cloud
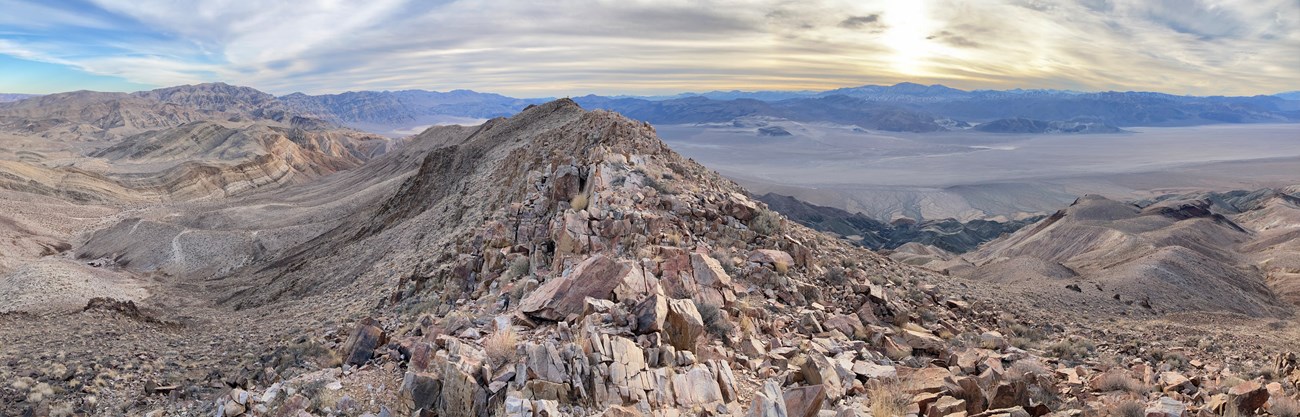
x=572 y=47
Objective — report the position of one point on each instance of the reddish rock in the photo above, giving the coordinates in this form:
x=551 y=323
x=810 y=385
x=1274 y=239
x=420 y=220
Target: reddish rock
x=1248 y=396
x=771 y=257
x=598 y=277
x=804 y=401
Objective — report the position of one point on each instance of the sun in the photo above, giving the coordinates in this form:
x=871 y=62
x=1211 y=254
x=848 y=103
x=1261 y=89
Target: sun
x=909 y=25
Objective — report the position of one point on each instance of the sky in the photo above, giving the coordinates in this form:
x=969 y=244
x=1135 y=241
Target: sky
x=529 y=48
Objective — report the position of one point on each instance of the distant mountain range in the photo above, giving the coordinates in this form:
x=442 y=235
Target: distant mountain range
x=5 y=98
x=904 y=107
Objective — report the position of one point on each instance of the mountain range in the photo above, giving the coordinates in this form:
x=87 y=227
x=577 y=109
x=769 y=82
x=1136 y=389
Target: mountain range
x=904 y=107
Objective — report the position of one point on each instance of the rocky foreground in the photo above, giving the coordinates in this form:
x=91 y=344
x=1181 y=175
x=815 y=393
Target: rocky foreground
x=566 y=262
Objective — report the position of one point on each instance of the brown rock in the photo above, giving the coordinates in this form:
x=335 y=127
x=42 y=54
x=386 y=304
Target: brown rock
x=361 y=345
x=597 y=277
x=804 y=401
x=1166 y=407
x=850 y=325
x=768 y=402
x=708 y=272
x=818 y=370
x=651 y=313
x=771 y=257
x=683 y=324
x=1247 y=396
x=946 y=406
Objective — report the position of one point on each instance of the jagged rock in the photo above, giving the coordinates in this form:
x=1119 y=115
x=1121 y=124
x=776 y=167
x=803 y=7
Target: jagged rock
x=771 y=257
x=849 y=325
x=929 y=380
x=871 y=371
x=993 y=340
x=768 y=402
x=946 y=406
x=924 y=341
x=1247 y=396
x=818 y=370
x=683 y=324
x=696 y=387
x=599 y=277
x=361 y=345
x=419 y=390
x=1166 y=407
x=651 y=313
x=804 y=401
x=708 y=272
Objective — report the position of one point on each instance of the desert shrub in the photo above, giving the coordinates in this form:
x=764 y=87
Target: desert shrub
x=766 y=222
x=714 y=323
x=724 y=258
x=1072 y=350
x=889 y=398
x=835 y=276
x=1175 y=360
x=1115 y=381
x=519 y=267
x=579 y=201
x=1128 y=409
x=1283 y=406
x=500 y=347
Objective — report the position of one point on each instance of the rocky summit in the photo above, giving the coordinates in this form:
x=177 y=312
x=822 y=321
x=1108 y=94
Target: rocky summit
x=564 y=262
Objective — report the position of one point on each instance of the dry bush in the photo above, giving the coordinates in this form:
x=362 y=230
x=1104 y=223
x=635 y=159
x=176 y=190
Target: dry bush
x=501 y=347
x=1284 y=407
x=579 y=202
x=714 y=322
x=1128 y=409
x=519 y=268
x=889 y=398
x=766 y=222
x=1115 y=381
x=1072 y=349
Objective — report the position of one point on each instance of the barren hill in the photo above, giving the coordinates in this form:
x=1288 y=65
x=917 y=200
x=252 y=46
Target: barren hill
x=567 y=262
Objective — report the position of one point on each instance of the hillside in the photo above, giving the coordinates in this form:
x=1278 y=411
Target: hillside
x=557 y=262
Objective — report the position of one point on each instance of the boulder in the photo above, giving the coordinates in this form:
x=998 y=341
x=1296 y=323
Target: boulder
x=683 y=324
x=1166 y=407
x=598 y=277
x=849 y=325
x=1248 y=396
x=818 y=370
x=771 y=257
x=768 y=402
x=419 y=391
x=946 y=406
x=871 y=371
x=361 y=345
x=804 y=401
x=708 y=272
x=651 y=314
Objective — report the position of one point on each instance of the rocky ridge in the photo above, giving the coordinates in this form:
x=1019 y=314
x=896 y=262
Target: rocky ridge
x=566 y=262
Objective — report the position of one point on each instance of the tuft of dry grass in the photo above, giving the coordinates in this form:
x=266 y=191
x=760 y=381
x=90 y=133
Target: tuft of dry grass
x=501 y=347
x=1284 y=407
x=1128 y=409
x=579 y=202
x=1114 y=381
x=888 y=398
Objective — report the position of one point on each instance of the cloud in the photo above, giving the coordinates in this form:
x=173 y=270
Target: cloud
x=859 y=22
x=572 y=47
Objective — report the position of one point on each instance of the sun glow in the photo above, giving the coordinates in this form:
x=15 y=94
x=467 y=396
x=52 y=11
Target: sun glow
x=908 y=28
